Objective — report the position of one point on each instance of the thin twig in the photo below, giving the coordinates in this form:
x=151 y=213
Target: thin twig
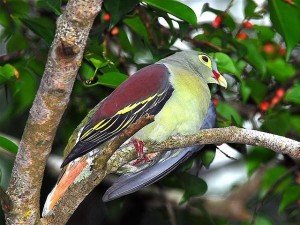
x=11 y=56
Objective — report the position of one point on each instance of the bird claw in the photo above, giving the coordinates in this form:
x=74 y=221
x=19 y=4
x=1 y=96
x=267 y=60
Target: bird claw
x=139 y=148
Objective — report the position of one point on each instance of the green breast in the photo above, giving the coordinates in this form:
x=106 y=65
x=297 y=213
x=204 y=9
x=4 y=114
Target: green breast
x=184 y=112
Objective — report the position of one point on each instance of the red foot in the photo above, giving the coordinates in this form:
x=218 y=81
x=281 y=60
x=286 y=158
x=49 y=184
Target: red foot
x=139 y=148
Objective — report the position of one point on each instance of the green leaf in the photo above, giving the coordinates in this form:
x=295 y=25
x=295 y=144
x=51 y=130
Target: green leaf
x=17 y=41
x=271 y=177
x=53 y=5
x=277 y=124
x=124 y=40
x=280 y=69
x=119 y=8
x=8 y=145
x=225 y=64
x=6 y=73
x=295 y=122
x=227 y=112
x=258 y=156
x=193 y=185
x=258 y=89
x=96 y=60
x=290 y=195
x=136 y=24
x=226 y=17
x=87 y=71
x=286 y=19
x=293 y=94
x=112 y=79
x=245 y=91
x=264 y=33
x=45 y=28
x=260 y=220
x=175 y=8
x=250 y=8
x=207 y=157
x=253 y=56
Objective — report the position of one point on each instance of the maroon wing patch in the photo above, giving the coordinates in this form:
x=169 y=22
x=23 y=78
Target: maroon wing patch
x=145 y=92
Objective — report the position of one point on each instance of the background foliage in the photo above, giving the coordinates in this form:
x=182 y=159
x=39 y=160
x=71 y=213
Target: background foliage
x=260 y=62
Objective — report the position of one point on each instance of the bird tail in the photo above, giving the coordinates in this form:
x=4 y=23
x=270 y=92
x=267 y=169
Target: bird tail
x=67 y=177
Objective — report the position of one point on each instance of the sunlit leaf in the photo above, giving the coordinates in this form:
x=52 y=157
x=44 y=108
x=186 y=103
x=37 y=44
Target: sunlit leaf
x=207 y=157
x=96 y=60
x=175 y=8
x=6 y=73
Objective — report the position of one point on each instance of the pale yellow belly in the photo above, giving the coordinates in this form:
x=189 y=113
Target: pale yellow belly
x=183 y=113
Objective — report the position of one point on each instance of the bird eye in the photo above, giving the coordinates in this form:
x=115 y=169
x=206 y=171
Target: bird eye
x=205 y=60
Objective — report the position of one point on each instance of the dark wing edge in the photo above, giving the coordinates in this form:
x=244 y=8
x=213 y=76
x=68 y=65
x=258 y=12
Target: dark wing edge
x=130 y=183
x=93 y=136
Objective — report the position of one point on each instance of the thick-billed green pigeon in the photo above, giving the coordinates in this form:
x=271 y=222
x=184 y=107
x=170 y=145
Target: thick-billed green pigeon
x=175 y=90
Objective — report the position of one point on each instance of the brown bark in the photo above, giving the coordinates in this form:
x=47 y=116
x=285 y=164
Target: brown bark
x=64 y=59
x=77 y=192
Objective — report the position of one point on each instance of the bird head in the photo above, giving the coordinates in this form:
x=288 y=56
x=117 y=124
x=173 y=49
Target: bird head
x=202 y=64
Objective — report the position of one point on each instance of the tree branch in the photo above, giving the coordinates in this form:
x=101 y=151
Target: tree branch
x=126 y=153
x=64 y=59
x=79 y=190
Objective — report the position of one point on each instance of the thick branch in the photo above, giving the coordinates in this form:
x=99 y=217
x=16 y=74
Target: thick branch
x=78 y=191
x=64 y=59
x=126 y=153
x=232 y=134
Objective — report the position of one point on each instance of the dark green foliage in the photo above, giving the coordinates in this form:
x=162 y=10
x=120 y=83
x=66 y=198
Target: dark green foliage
x=259 y=60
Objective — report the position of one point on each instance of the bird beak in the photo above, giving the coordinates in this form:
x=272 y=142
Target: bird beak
x=221 y=80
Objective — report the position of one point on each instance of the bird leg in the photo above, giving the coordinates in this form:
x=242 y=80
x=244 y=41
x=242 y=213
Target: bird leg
x=139 y=148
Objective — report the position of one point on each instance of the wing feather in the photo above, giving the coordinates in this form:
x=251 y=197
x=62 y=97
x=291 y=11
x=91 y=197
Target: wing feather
x=94 y=135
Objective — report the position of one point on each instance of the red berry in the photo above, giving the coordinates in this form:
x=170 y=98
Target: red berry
x=269 y=49
x=248 y=24
x=291 y=2
x=114 y=31
x=217 y=22
x=215 y=102
x=106 y=17
x=242 y=36
x=264 y=106
x=280 y=93
x=274 y=101
x=282 y=51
